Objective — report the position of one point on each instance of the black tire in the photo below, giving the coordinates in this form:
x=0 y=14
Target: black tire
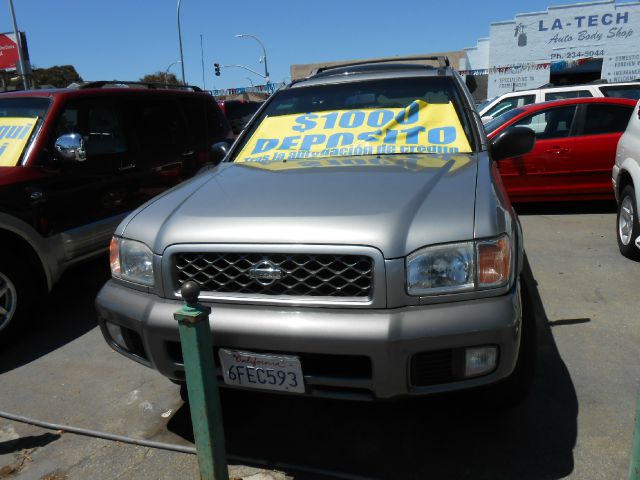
x=513 y=391
x=627 y=245
x=19 y=294
x=184 y=394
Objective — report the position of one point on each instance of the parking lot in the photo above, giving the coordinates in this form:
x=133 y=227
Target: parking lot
x=577 y=422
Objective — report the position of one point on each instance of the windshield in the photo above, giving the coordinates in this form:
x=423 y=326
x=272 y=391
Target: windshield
x=20 y=118
x=502 y=119
x=378 y=117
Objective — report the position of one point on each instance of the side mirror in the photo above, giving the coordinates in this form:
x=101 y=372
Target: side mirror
x=70 y=146
x=218 y=152
x=512 y=142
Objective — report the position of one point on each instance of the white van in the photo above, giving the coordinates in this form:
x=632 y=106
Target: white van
x=498 y=105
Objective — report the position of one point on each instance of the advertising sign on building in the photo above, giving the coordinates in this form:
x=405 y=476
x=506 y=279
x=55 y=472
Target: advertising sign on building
x=524 y=51
x=9 y=50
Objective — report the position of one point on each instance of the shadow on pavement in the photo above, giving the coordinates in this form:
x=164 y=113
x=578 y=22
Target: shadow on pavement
x=67 y=313
x=27 y=442
x=566 y=208
x=442 y=437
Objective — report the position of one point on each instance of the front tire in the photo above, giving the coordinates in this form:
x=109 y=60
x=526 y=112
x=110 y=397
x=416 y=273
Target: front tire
x=628 y=225
x=18 y=297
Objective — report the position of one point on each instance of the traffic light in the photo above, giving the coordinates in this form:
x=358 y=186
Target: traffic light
x=216 y=68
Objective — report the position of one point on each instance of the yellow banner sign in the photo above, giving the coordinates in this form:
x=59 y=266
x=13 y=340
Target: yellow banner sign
x=419 y=128
x=14 y=135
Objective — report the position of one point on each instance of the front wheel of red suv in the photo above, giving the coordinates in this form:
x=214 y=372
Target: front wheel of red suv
x=17 y=298
x=628 y=224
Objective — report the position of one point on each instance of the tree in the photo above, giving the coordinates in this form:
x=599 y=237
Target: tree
x=161 y=77
x=58 y=76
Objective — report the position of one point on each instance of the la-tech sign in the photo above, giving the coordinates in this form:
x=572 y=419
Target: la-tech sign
x=522 y=50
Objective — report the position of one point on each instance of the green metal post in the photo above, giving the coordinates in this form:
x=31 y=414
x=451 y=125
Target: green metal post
x=634 y=468
x=202 y=385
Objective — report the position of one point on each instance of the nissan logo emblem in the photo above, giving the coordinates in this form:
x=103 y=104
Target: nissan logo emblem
x=265 y=272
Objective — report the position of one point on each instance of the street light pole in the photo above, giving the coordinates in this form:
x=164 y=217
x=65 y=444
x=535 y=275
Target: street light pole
x=264 y=52
x=23 y=71
x=180 y=42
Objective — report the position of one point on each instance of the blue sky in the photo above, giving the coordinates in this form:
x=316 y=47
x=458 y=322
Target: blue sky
x=125 y=40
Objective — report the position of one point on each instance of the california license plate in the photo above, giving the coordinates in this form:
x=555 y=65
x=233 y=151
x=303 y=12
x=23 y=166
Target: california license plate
x=262 y=371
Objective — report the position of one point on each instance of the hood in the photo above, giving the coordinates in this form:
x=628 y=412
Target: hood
x=396 y=204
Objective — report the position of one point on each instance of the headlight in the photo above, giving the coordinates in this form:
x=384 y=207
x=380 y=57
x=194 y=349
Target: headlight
x=441 y=269
x=459 y=267
x=131 y=261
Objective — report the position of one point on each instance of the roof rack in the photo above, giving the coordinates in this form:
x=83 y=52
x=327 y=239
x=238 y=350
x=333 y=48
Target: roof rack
x=150 y=85
x=443 y=62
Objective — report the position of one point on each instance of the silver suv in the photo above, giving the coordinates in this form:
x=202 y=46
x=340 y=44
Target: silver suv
x=356 y=242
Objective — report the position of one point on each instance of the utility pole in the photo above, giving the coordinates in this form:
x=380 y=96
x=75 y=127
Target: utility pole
x=22 y=65
x=180 y=42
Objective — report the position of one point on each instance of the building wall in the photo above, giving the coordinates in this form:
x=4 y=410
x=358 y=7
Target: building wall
x=522 y=49
x=478 y=56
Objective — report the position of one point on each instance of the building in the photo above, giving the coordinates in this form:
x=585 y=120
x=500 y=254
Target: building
x=566 y=44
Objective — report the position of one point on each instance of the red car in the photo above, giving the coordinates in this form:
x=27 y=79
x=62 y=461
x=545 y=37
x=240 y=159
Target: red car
x=575 y=149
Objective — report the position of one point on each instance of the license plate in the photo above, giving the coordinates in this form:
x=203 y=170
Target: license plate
x=262 y=371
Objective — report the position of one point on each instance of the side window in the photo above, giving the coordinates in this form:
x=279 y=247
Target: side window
x=553 y=123
x=602 y=118
x=100 y=125
x=622 y=91
x=205 y=123
x=159 y=126
x=561 y=95
x=509 y=104
x=68 y=122
x=104 y=135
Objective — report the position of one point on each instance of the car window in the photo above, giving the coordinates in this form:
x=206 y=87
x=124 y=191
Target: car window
x=560 y=95
x=622 y=91
x=100 y=125
x=239 y=113
x=160 y=129
x=502 y=119
x=508 y=104
x=20 y=120
x=552 y=123
x=602 y=118
x=376 y=117
x=104 y=134
x=204 y=122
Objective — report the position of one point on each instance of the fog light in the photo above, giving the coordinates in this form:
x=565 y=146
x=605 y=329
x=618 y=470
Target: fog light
x=115 y=332
x=480 y=360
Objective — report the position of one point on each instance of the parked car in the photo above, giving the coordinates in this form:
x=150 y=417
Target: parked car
x=575 y=149
x=74 y=162
x=626 y=185
x=355 y=243
x=239 y=112
x=495 y=107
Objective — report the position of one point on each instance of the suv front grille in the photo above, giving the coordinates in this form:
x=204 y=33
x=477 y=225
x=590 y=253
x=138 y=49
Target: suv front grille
x=316 y=275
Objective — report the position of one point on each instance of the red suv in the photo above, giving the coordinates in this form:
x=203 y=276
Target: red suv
x=74 y=162
x=574 y=151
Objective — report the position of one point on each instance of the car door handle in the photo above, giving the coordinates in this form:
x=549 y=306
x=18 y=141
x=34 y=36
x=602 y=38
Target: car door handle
x=558 y=150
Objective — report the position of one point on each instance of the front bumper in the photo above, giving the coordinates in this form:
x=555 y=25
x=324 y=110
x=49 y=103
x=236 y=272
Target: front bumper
x=345 y=353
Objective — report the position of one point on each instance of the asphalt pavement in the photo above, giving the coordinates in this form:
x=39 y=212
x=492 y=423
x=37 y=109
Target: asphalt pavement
x=577 y=422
